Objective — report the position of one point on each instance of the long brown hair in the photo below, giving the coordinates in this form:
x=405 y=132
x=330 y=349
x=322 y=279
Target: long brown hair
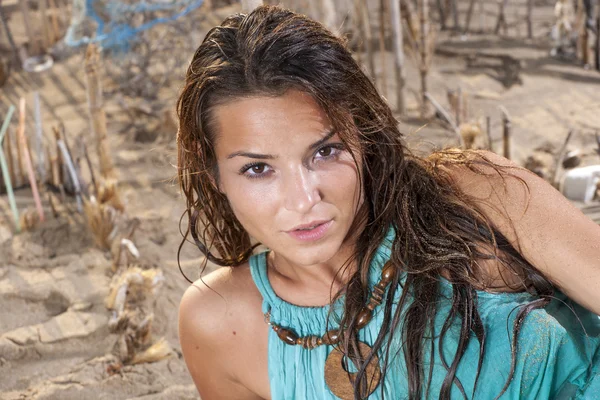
x=438 y=228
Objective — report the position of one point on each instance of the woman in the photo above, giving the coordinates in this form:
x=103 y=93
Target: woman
x=387 y=275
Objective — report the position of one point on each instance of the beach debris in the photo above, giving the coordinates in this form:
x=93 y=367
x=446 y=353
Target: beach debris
x=506 y=125
x=581 y=184
x=572 y=159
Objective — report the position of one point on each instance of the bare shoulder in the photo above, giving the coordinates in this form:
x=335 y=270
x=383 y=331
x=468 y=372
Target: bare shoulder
x=546 y=228
x=219 y=316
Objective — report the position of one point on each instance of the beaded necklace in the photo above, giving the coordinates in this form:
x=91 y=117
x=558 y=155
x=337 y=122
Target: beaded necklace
x=338 y=379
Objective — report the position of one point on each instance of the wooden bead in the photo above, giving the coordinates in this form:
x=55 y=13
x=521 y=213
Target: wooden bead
x=331 y=337
x=388 y=272
x=364 y=316
x=287 y=336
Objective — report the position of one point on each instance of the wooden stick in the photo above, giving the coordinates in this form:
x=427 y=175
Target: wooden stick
x=597 y=45
x=454 y=6
x=89 y=165
x=5 y=174
x=501 y=22
x=13 y=46
x=442 y=15
x=530 y=19
x=33 y=43
x=446 y=116
x=32 y=181
x=382 y=52
x=397 y=38
x=96 y=111
x=47 y=36
x=506 y=125
x=488 y=131
x=54 y=19
x=558 y=161
x=368 y=38
x=424 y=47
x=458 y=110
x=469 y=15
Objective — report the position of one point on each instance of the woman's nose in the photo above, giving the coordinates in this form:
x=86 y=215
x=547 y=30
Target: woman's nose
x=301 y=191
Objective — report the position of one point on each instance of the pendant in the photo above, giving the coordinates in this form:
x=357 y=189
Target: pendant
x=341 y=382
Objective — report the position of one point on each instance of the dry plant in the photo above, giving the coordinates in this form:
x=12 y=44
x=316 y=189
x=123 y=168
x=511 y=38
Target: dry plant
x=470 y=132
x=102 y=221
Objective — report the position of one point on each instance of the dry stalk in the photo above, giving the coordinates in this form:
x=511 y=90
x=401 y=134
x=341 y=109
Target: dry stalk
x=397 y=37
x=469 y=133
x=101 y=219
x=96 y=110
x=382 y=51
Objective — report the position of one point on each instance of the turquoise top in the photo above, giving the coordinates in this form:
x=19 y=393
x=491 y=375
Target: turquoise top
x=556 y=359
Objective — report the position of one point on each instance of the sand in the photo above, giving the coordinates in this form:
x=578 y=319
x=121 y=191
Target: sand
x=54 y=336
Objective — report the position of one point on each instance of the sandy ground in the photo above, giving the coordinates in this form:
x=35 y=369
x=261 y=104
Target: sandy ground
x=54 y=339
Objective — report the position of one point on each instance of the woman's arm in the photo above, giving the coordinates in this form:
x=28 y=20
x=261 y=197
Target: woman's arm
x=204 y=317
x=548 y=230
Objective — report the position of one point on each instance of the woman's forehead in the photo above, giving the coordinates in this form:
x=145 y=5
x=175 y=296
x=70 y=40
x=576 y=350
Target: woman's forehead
x=291 y=118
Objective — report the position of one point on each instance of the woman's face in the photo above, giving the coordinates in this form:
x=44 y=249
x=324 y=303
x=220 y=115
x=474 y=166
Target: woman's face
x=287 y=175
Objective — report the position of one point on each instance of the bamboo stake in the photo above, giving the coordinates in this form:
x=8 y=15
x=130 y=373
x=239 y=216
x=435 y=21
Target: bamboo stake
x=559 y=157
x=54 y=19
x=47 y=36
x=96 y=111
x=398 y=54
x=506 y=125
x=382 y=52
x=39 y=142
x=530 y=19
x=454 y=6
x=5 y=175
x=597 y=47
x=488 y=131
x=32 y=181
x=481 y=15
x=13 y=46
x=424 y=47
x=366 y=23
x=442 y=15
x=458 y=110
x=469 y=15
x=501 y=22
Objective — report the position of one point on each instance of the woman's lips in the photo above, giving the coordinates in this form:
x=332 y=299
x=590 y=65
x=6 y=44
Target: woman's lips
x=315 y=233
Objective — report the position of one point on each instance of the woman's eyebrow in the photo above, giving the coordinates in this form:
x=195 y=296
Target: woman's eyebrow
x=258 y=156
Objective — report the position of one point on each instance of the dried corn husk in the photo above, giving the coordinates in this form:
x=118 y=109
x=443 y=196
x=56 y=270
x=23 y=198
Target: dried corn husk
x=156 y=352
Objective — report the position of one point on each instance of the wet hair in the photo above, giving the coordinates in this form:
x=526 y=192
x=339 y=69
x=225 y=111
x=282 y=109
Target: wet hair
x=439 y=229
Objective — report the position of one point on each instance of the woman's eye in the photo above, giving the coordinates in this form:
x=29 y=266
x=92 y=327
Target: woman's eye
x=256 y=170
x=328 y=152
x=325 y=152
